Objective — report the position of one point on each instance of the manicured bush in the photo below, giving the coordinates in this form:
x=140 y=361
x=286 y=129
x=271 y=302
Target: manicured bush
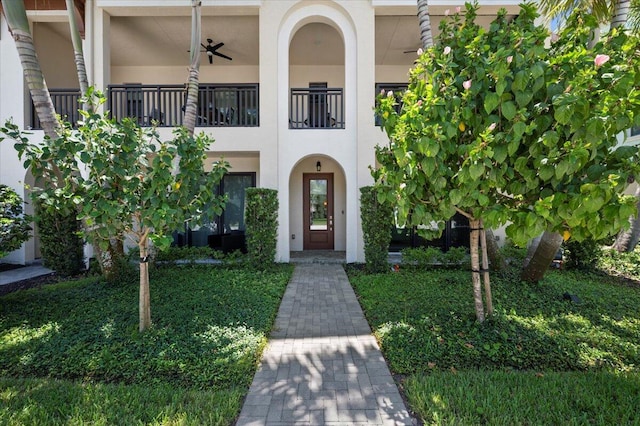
x=432 y=257
x=14 y=225
x=61 y=244
x=582 y=254
x=261 y=219
x=377 y=221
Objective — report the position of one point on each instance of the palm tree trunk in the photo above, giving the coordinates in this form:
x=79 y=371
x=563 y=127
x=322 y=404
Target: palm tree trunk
x=78 y=51
x=194 y=69
x=620 y=13
x=475 y=269
x=543 y=256
x=16 y=17
x=424 y=20
x=627 y=240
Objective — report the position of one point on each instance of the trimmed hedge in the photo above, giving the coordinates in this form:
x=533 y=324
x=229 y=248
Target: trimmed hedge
x=61 y=244
x=261 y=219
x=14 y=226
x=376 y=229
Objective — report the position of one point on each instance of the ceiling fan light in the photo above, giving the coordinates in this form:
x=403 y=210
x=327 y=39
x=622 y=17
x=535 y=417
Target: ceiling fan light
x=209 y=53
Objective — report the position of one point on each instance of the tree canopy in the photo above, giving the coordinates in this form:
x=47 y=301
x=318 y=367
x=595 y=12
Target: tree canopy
x=499 y=126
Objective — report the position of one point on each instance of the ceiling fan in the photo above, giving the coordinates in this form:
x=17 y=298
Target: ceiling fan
x=213 y=50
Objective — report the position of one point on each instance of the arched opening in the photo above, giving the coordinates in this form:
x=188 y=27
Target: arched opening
x=316 y=77
x=317 y=205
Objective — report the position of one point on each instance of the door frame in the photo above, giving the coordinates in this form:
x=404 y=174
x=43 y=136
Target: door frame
x=318 y=239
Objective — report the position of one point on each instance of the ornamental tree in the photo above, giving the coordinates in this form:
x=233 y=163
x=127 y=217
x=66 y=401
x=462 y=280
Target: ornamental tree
x=503 y=129
x=129 y=186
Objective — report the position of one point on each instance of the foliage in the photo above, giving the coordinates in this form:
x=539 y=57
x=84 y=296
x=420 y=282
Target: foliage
x=187 y=254
x=135 y=191
x=261 y=218
x=134 y=184
x=582 y=254
x=14 y=225
x=531 y=398
x=430 y=257
x=625 y=265
x=211 y=326
x=513 y=254
x=501 y=127
x=422 y=322
x=377 y=221
x=61 y=245
x=58 y=402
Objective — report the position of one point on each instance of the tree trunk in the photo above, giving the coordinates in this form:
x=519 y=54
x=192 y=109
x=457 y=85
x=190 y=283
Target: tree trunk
x=496 y=261
x=620 y=13
x=77 y=48
x=545 y=252
x=531 y=250
x=627 y=240
x=485 y=269
x=424 y=20
x=145 y=298
x=475 y=268
x=194 y=69
x=16 y=17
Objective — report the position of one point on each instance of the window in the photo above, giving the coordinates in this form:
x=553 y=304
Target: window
x=635 y=131
x=397 y=88
x=224 y=232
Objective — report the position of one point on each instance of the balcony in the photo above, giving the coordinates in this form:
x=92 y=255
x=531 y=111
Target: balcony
x=66 y=103
x=218 y=104
x=234 y=105
x=316 y=107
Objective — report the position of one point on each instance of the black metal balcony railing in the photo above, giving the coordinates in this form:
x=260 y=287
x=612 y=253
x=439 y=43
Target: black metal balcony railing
x=66 y=103
x=218 y=104
x=316 y=107
x=398 y=89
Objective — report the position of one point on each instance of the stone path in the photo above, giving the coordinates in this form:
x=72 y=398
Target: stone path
x=322 y=365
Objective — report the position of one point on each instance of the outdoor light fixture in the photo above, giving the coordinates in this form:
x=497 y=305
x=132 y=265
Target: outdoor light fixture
x=318 y=166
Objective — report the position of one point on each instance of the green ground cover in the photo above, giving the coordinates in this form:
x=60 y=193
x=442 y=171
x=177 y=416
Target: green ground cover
x=584 y=356
x=70 y=353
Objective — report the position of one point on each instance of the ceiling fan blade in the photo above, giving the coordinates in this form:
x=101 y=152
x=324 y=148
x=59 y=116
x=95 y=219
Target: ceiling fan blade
x=222 y=56
x=218 y=46
x=202 y=44
x=210 y=59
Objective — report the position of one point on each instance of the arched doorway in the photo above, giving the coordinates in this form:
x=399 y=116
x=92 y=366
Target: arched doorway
x=317 y=205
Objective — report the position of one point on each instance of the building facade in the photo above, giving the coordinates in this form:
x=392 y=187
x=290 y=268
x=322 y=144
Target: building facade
x=288 y=97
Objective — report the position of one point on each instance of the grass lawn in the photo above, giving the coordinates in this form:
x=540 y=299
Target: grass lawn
x=540 y=360
x=70 y=353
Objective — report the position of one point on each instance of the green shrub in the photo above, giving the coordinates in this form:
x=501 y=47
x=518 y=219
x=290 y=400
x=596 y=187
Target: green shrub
x=429 y=257
x=188 y=254
x=261 y=218
x=421 y=257
x=582 y=254
x=14 y=226
x=61 y=244
x=377 y=221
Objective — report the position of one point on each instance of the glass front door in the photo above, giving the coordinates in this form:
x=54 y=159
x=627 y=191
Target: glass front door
x=318 y=211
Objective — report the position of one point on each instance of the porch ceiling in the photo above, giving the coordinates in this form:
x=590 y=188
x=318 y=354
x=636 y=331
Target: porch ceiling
x=163 y=40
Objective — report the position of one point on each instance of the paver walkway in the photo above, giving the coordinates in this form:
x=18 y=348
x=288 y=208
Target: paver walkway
x=322 y=365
